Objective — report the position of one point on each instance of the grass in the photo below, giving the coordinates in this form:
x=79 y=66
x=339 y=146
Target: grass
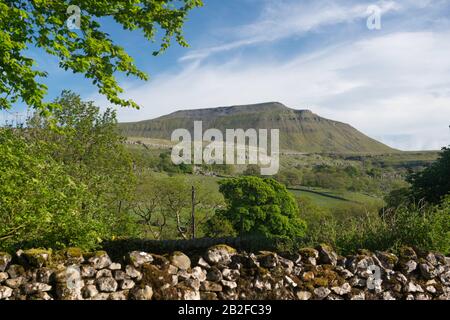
x=333 y=198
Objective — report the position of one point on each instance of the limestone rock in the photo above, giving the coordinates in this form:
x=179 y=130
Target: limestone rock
x=304 y=295
x=144 y=293
x=180 y=260
x=327 y=255
x=138 y=258
x=36 y=257
x=321 y=293
x=5 y=292
x=88 y=271
x=133 y=272
x=220 y=254
x=5 y=259
x=3 y=276
x=107 y=284
x=100 y=260
x=15 y=271
x=127 y=284
x=89 y=291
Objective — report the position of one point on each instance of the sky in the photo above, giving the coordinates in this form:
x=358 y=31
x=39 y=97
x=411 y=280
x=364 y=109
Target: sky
x=392 y=83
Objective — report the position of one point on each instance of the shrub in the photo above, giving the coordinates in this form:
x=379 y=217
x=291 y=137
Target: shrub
x=256 y=206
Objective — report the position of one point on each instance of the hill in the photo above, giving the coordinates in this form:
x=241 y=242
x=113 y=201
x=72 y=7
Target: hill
x=300 y=130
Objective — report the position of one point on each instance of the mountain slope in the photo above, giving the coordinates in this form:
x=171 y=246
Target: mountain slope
x=300 y=130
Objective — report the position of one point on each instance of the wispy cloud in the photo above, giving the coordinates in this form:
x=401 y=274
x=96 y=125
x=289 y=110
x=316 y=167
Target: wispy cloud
x=284 y=19
x=390 y=87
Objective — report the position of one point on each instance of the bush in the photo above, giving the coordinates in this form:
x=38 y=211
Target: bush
x=40 y=205
x=426 y=228
x=256 y=206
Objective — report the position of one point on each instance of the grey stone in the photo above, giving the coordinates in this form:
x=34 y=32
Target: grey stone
x=180 y=260
x=31 y=288
x=220 y=254
x=120 y=275
x=427 y=271
x=290 y=282
x=120 y=295
x=229 y=274
x=229 y=284
x=214 y=275
x=199 y=274
x=115 y=266
x=89 y=291
x=133 y=272
x=5 y=292
x=15 y=271
x=202 y=263
x=5 y=259
x=127 y=284
x=15 y=282
x=327 y=255
x=410 y=266
x=44 y=275
x=303 y=295
x=342 y=290
x=87 y=271
x=3 y=276
x=268 y=259
x=107 y=284
x=388 y=296
x=138 y=258
x=144 y=293
x=100 y=260
x=412 y=287
x=210 y=286
x=104 y=273
x=321 y=293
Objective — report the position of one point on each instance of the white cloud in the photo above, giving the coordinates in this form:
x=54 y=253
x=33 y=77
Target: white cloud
x=392 y=87
x=284 y=19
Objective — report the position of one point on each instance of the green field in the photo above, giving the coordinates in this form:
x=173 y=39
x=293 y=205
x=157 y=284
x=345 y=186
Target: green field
x=332 y=198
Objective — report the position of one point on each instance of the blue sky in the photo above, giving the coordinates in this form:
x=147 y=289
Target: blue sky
x=393 y=84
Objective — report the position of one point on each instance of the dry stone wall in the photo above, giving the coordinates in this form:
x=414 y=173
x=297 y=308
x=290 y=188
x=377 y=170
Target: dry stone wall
x=223 y=273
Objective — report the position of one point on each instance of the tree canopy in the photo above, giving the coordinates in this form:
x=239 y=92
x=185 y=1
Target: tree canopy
x=433 y=183
x=257 y=206
x=90 y=50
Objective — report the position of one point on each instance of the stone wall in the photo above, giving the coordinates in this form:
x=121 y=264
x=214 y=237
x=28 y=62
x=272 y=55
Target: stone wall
x=221 y=272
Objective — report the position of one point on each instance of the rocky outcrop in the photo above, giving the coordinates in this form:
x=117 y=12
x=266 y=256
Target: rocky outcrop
x=223 y=273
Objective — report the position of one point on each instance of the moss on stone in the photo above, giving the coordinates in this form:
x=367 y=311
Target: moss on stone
x=74 y=252
x=225 y=247
x=308 y=252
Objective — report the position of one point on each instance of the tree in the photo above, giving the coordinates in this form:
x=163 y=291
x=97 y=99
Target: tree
x=90 y=51
x=89 y=146
x=40 y=203
x=264 y=207
x=433 y=183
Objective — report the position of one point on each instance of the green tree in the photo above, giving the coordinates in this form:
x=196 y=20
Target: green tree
x=433 y=183
x=89 y=146
x=40 y=203
x=259 y=206
x=89 y=51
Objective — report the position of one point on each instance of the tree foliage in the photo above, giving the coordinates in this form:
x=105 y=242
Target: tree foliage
x=89 y=51
x=257 y=206
x=433 y=183
x=66 y=186
x=41 y=204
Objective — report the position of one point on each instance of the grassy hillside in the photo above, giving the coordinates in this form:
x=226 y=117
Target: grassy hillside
x=300 y=130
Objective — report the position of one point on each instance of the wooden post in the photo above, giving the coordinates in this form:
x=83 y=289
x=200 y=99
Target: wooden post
x=193 y=212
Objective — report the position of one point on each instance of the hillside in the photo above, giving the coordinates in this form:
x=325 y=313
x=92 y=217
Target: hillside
x=300 y=130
